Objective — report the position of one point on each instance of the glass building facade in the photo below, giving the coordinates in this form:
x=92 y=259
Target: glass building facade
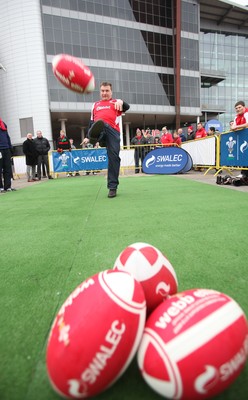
x=107 y=39
x=132 y=44
x=228 y=53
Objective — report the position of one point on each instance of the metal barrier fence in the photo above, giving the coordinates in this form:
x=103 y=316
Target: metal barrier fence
x=227 y=151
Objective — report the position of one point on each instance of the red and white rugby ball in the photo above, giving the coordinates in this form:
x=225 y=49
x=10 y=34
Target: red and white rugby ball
x=194 y=345
x=152 y=269
x=73 y=74
x=96 y=334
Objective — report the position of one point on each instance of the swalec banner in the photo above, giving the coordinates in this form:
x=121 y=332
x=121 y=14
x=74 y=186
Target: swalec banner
x=167 y=160
x=234 y=148
x=80 y=160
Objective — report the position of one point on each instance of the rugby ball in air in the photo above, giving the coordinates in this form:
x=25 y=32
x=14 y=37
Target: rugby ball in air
x=73 y=74
x=95 y=334
x=152 y=269
x=194 y=345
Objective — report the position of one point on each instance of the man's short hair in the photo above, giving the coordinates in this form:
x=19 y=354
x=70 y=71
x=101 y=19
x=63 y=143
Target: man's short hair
x=105 y=83
x=212 y=128
x=240 y=103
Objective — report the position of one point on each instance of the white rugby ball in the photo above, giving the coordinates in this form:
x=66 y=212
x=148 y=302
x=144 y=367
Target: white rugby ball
x=95 y=334
x=194 y=345
x=73 y=74
x=152 y=269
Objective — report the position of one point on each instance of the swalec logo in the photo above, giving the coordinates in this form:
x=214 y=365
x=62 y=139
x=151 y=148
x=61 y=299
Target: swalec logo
x=167 y=160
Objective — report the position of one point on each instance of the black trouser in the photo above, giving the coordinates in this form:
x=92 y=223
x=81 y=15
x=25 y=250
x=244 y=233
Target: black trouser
x=5 y=169
x=42 y=158
x=112 y=139
x=139 y=153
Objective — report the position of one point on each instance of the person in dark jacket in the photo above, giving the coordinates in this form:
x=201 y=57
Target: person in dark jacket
x=42 y=146
x=29 y=149
x=63 y=142
x=5 y=159
x=191 y=133
x=139 y=152
x=181 y=135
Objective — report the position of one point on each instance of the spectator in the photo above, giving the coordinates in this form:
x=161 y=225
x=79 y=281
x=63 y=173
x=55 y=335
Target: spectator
x=149 y=140
x=86 y=146
x=63 y=142
x=5 y=159
x=149 y=137
x=156 y=141
x=231 y=124
x=241 y=118
x=166 y=138
x=105 y=127
x=139 y=152
x=176 y=138
x=73 y=147
x=29 y=149
x=42 y=146
x=164 y=130
x=241 y=122
x=191 y=133
x=181 y=135
x=201 y=132
x=211 y=131
x=97 y=146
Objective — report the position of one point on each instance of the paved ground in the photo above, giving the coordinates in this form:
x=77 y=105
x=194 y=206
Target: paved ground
x=198 y=176
x=210 y=179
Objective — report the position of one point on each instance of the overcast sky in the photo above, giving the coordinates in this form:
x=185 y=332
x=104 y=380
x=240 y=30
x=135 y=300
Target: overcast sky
x=240 y=2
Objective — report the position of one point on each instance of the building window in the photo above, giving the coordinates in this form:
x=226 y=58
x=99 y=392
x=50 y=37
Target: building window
x=226 y=53
x=26 y=126
x=189 y=18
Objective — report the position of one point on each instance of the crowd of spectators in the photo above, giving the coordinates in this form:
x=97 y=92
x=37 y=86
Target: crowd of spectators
x=36 y=150
x=167 y=137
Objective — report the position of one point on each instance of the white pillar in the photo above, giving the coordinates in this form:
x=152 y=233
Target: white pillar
x=127 y=130
x=82 y=133
x=62 y=124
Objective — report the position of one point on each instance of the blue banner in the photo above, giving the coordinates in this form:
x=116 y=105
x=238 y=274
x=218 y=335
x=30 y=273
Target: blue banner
x=215 y=123
x=80 y=160
x=189 y=164
x=167 y=160
x=234 y=148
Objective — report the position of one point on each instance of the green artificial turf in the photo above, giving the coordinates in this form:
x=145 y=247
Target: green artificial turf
x=56 y=234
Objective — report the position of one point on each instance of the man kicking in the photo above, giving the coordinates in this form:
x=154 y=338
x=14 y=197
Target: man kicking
x=104 y=127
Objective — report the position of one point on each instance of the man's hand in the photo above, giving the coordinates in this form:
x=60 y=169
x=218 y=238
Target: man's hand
x=85 y=141
x=119 y=105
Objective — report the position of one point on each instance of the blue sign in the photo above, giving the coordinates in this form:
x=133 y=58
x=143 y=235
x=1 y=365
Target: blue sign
x=215 y=123
x=234 y=148
x=188 y=166
x=167 y=160
x=80 y=160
